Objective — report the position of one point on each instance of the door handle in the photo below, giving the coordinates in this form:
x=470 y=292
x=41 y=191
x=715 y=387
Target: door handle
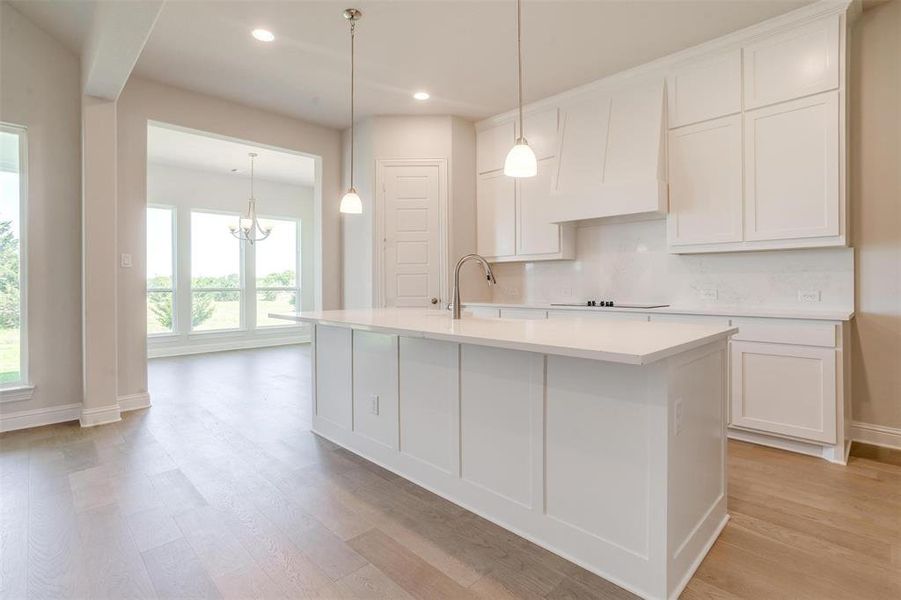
x=434 y=300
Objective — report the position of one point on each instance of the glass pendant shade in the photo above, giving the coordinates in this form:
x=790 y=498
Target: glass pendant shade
x=351 y=203
x=521 y=160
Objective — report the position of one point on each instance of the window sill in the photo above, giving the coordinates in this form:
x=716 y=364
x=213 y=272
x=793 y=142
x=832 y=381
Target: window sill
x=19 y=393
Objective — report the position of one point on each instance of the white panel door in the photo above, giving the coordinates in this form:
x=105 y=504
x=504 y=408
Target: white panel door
x=705 y=183
x=375 y=386
x=705 y=89
x=412 y=236
x=333 y=375
x=496 y=215
x=541 y=131
x=535 y=234
x=492 y=146
x=581 y=148
x=798 y=62
x=792 y=169
x=783 y=389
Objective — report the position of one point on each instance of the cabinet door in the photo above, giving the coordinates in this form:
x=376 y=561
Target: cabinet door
x=492 y=146
x=705 y=89
x=792 y=64
x=535 y=234
x=496 y=215
x=705 y=184
x=581 y=147
x=541 y=131
x=783 y=389
x=792 y=169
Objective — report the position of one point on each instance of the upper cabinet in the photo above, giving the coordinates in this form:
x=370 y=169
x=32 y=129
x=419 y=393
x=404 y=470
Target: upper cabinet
x=496 y=215
x=610 y=149
x=798 y=62
x=492 y=146
x=705 y=89
x=541 y=131
x=785 y=141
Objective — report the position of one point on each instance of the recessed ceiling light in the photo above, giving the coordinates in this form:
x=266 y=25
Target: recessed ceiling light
x=421 y=95
x=264 y=35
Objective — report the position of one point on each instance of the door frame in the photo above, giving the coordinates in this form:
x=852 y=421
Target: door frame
x=378 y=238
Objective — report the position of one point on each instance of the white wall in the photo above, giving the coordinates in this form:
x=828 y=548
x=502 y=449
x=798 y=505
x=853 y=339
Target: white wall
x=876 y=213
x=420 y=137
x=629 y=262
x=41 y=90
x=190 y=188
x=144 y=100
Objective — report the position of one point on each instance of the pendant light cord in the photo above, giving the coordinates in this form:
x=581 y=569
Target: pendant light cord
x=251 y=177
x=519 y=59
x=352 y=27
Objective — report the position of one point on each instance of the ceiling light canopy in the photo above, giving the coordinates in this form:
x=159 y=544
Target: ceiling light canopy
x=264 y=35
x=521 y=160
x=351 y=203
x=422 y=95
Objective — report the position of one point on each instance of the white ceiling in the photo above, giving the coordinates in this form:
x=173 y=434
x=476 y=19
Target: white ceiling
x=461 y=51
x=176 y=147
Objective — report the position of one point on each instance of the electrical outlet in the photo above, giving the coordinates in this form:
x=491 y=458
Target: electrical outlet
x=809 y=295
x=125 y=261
x=566 y=292
x=708 y=294
x=374 y=404
x=677 y=417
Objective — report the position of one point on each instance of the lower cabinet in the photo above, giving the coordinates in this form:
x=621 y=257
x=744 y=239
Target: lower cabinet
x=529 y=314
x=603 y=315
x=785 y=389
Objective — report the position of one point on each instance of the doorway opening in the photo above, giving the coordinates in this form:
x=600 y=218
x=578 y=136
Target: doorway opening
x=208 y=290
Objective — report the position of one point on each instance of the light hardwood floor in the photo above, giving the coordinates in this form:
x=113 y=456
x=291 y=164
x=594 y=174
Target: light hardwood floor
x=220 y=490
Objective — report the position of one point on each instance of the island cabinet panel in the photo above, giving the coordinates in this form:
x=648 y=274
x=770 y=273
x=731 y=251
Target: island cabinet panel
x=430 y=402
x=597 y=431
x=500 y=409
x=334 y=392
x=375 y=386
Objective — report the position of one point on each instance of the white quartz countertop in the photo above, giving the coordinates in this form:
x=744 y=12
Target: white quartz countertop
x=628 y=342
x=789 y=312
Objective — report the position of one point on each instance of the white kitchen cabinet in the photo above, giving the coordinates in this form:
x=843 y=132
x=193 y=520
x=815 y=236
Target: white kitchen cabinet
x=481 y=312
x=375 y=386
x=535 y=234
x=784 y=389
x=705 y=183
x=333 y=376
x=704 y=89
x=792 y=186
x=492 y=145
x=541 y=131
x=496 y=215
x=609 y=152
x=801 y=61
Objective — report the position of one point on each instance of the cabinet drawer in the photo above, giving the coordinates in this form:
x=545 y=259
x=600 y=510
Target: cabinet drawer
x=530 y=314
x=480 y=312
x=784 y=390
x=585 y=314
x=698 y=319
x=777 y=332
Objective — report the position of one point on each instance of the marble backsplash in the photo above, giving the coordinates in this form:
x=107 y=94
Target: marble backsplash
x=628 y=262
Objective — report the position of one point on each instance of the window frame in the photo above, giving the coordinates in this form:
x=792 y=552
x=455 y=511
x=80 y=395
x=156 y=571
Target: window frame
x=23 y=384
x=242 y=279
x=173 y=210
x=298 y=265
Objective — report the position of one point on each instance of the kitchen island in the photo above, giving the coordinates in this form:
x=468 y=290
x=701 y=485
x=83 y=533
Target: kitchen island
x=601 y=441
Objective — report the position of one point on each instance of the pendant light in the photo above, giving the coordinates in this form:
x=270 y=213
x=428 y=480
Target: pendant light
x=350 y=202
x=521 y=161
x=248 y=228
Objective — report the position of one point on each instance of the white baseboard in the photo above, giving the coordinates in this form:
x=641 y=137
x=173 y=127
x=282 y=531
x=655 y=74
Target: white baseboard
x=161 y=351
x=834 y=454
x=877 y=435
x=101 y=415
x=36 y=417
x=134 y=401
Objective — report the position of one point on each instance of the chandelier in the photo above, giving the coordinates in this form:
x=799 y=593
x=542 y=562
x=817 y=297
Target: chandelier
x=248 y=228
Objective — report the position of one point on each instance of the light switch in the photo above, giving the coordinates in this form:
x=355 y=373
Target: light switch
x=125 y=261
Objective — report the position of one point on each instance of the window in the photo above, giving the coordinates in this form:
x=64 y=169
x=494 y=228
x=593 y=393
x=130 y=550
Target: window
x=216 y=274
x=13 y=354
x=277 y=267
x=161 y=314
